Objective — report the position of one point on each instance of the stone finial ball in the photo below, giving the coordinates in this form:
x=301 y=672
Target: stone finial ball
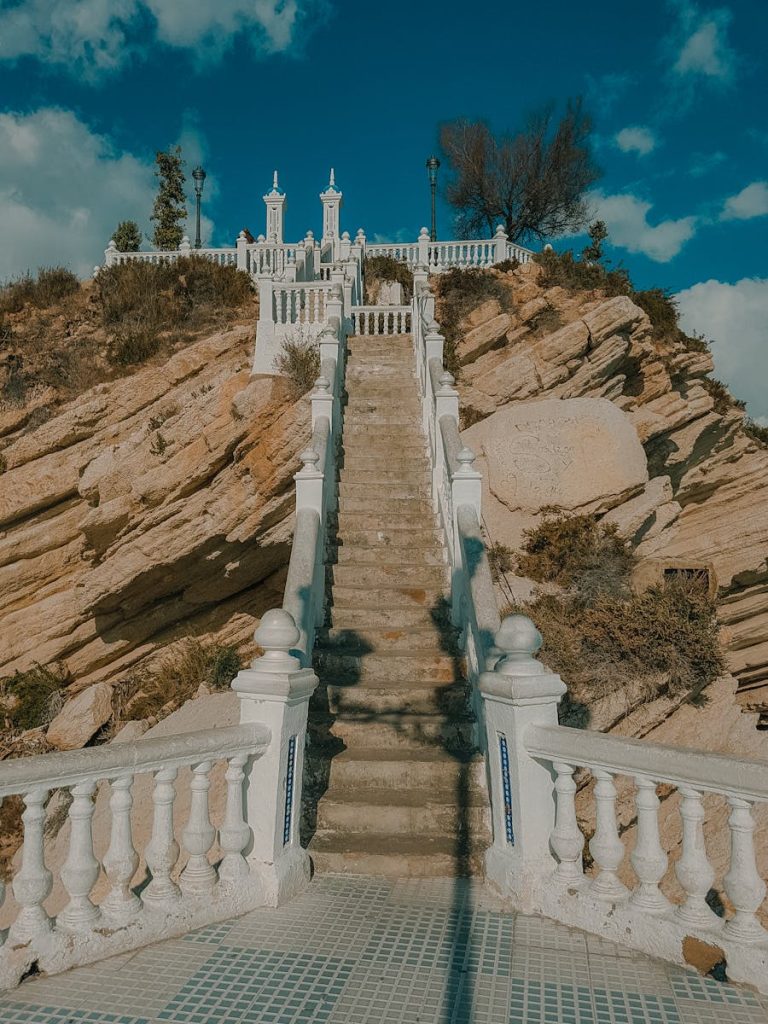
x=309 y=457
x=277 y=631
x=466 y=457
x=447 y=379
x=345 y=236
x=423 y=232
x=518 y=637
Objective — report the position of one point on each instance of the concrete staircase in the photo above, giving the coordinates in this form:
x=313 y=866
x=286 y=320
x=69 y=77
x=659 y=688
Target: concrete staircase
x=390 y=729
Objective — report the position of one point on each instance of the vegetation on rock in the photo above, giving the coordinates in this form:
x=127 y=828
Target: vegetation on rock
x=458 y=293
x=29 y=699
x=299 y=361
x=599 y=634
x=51 y=286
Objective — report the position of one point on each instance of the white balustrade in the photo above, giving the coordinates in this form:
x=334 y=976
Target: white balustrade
x=605 y=846
x=132 y=913
x=300 y=303
x=381 y=320
x=648 y=857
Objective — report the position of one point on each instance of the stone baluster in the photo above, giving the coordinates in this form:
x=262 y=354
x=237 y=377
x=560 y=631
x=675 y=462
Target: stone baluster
x=162 y=850
x=648 y=857
x=234 y=832
x=121 y=860
x=743 y=884
x=33 y=882
x=605 y=846
x=567 y=840
x=199 y=877
x=81 y=869
x=693 y=870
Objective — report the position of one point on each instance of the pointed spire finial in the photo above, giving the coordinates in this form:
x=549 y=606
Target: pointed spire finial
x=274 y=182
x=332 y=180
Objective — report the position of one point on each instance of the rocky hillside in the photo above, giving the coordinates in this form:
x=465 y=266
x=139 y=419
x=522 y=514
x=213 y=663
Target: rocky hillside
x=671 y=463
x=152 y=508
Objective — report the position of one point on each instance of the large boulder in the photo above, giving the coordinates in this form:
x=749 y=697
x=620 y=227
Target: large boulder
x=580 y=454
x=81 y=718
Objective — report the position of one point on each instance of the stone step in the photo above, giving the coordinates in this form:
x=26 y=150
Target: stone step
x=408 y=476
x=414 y=812
x=411 y=541
x=390 y=434
x=395 y=856
x=369 y=446
x=384 y=730
x=405 y=524
x=394 y=769
x=446 y=699
x=388 y=554
x=390 y=597
x=384 y=402
x=384 y=616
x=394 y=465
x=382 y=390
x=438 y=638
x=405 y=575
x=373 y=488
x=348 y=668
x=380 y=376
x=381 y=502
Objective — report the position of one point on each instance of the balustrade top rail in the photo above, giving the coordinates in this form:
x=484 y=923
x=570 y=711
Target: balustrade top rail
x=698 y=769
x=46 y=771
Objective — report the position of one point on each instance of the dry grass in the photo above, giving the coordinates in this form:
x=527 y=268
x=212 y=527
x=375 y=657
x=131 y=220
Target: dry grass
x=49 y=288
x=176 y=677
x=385 y=268
x=299 y=361
x=32 y=698
x=459 y=292
x=598 y=634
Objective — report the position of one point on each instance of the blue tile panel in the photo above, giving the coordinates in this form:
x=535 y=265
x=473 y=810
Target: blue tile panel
x=507 y=787
x=289 y=785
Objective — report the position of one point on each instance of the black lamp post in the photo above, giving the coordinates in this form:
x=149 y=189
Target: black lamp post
x=432 y=165
x=199 y=175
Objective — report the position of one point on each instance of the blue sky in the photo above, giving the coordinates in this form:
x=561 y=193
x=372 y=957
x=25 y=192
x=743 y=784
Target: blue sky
x=89 y=89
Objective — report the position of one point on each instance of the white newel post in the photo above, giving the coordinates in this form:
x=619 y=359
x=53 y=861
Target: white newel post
x=185 y=248
x=275 y=692
x=266 y=349
x=519 y=692
x=110 y=253
x=500 y=244
x=242 y=251
x=423 y=243
x=334 y=306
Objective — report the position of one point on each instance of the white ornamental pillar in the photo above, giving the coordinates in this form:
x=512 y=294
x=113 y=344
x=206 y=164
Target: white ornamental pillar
x=185 y=249
x=274 y=200
x=275 y=692
x=500 y=244
x=266 y=346
x=519 y=692
x=110 y=253
x=331 y=199
x=424 y=247
x=242 y=251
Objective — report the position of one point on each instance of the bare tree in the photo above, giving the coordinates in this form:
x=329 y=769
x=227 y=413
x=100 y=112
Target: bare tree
x=533 y=182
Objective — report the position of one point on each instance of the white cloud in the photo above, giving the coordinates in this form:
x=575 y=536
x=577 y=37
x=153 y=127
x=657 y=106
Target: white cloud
x=63 y=189
x=700 y=43
x=734 y=316
x=636 y=140
x=626 y=217
x=752 y=201
x=92 y=37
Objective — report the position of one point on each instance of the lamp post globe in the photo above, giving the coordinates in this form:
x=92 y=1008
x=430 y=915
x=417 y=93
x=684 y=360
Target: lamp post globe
x=199 y=176
x=432 y=166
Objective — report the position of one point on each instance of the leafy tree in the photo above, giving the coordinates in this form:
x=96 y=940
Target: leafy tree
x=534 y=182
x=170 y=209
x=598 y=233
x=127 y=236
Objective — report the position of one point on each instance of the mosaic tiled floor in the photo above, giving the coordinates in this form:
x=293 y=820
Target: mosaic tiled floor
x=370 y=951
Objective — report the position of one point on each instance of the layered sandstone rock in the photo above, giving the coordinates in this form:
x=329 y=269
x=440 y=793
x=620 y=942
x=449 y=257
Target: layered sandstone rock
x=151 y=508
x=704 y=502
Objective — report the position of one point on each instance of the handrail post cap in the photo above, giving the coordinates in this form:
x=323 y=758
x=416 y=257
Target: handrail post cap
x=277 y=634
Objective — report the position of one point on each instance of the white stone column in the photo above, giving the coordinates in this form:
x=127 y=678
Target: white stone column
x=331 y=199
x=266 y=345
x=424 y=248
x=500 y=244
x=519 y=692
x=275 y=692
x=185 y=249
x=242 y=251
x=274 y=201
x=110 y=253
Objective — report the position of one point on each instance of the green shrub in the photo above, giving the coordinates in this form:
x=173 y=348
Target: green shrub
x=546 y=320
x=723 y=399
x=661 y=309
x=501 y=559
x=576 y=550
x=565 y=271
x=139 y=301
x=459 y=292
x=694 y=342
x=127 y=236
x=51 y=286
x=29 y=697
x=299 y=361
x=506 y=265
x=755 y=430
x=385 y=268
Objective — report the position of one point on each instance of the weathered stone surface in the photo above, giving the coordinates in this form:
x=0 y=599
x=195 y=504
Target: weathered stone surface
x=618 y=315
x=481 y=338
x=635 y=519
x=81 y=717
x=579 y=454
